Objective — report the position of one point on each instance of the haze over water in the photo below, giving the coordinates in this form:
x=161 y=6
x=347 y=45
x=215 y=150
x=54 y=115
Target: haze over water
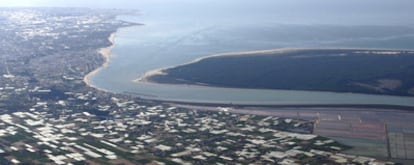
x=176 y=32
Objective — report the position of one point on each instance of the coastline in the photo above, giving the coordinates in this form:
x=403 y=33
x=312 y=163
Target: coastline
x=105 y=52
x=161 y=71
x=146 y=78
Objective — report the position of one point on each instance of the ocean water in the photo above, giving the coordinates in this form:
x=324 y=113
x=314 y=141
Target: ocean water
x=173 y=35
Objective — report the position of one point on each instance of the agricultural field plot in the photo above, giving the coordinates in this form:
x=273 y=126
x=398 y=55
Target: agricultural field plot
x=385 y=133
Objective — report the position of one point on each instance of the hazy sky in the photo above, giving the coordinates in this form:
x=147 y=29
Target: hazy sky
x=321 y=11
x=79 y=3
x=337 y=4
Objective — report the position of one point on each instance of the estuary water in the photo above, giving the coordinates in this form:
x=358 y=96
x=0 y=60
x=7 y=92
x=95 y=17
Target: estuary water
x=175 y=35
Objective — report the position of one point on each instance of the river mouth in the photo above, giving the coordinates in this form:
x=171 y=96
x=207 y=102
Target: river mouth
x=156 y=45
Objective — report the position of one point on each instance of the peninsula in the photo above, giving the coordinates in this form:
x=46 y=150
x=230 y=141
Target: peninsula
x=389 y=72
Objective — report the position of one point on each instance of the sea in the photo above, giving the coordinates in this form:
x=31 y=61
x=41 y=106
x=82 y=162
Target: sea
x=179 y=31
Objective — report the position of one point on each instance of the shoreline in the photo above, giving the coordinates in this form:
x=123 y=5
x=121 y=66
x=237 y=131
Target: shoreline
x=105 y=52
x=146 y=78
x=161 y=71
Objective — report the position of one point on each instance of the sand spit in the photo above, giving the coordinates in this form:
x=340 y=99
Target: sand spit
x=144 y=78
x=162 y=71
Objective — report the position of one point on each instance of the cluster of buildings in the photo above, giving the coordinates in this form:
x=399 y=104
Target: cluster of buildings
x=134 y=132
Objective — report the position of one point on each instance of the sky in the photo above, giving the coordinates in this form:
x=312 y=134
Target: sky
x=77 y=3
x=335 y=4
x=322 y=11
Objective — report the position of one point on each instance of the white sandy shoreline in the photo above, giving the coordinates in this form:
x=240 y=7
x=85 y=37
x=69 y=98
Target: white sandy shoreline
x=105 y=52
x=161 y=71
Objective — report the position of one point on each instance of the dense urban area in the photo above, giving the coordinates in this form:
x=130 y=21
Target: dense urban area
x=48 y=115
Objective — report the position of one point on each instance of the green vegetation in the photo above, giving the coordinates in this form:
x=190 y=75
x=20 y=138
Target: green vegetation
x=342 y=70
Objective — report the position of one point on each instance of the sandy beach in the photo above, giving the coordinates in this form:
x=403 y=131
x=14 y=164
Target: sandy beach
x=162 y=71
x=105 y=52
x=144 y=78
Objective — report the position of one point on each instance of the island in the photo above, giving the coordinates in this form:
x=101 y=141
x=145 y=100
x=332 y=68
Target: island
x=371 y=71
